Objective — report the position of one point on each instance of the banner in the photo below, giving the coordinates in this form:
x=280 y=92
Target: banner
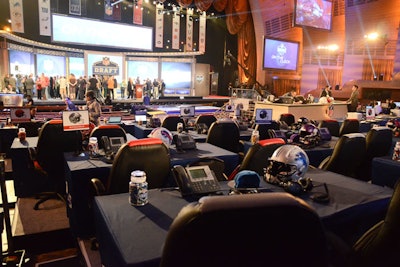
x=176 y=21
x=44 y=17
x=189 y=29
x=202 y=32
x=159 y=25
x=74 y=7
x=17 y=16
x=138 y=13
x=112 y=12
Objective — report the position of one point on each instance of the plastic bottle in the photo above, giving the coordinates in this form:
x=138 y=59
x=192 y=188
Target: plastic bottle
x=138 y=189
x=93 y=147
x=396 y=152
x=255 y=137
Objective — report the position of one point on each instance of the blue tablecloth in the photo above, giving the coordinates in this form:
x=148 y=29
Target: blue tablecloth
x=134 y=236
x=385 y=171
x=81 y=169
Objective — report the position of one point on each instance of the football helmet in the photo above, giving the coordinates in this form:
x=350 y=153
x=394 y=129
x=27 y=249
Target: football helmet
x=288 y=163
x=309 y=135
x=162 y=133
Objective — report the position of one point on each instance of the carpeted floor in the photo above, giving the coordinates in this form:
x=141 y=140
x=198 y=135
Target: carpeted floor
x=45 y=236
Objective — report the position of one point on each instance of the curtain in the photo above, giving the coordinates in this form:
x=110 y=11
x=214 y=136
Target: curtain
x=383 y=69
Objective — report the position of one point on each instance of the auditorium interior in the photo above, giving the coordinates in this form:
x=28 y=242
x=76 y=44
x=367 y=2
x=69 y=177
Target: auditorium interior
x=210 y=129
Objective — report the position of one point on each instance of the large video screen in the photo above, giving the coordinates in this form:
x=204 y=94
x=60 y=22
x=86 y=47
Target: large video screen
x=74 y=30
x=176 y=75
x=280 y=54
x=50 y=65
x=142 y=69
x=77 y=66
x=21 y=62
x=313 y=13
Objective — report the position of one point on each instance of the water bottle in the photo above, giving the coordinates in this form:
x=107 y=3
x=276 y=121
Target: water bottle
x=138 y=189
x=255 y=137
x=93 y=147
x=396 y=152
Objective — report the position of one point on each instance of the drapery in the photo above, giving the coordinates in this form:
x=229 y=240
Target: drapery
x=239 y=21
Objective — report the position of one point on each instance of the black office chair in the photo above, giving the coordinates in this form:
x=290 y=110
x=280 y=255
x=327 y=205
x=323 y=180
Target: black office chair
x=378 y=144
x=263 y=129
x=49 y=160
x=204 y=119
x=349 y=126
x=380 y=245
x=246 y=230
x=332 y=125
x=257 y=157
x=148 y=154
x=171 y=121
x=109 y=130
x=31 y=128
x=287 y=118
x=347 y=155
x=225 y=134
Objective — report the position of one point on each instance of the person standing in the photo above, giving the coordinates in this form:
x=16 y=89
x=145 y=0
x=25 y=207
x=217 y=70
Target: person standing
x=122 y=88
x=82 y=87
x=130 y=88
x=110 y=87
x=93 y=107
x=162 y=88
x=29 y=83
x=63 y=87
x=13 y=83
x=352 y=102
x=39 y=88
x=94 y=85
x=72 y=84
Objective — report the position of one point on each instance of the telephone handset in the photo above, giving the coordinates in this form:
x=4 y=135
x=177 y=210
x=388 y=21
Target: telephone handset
x=106 y=145
x=195 y=180
x=111 y=145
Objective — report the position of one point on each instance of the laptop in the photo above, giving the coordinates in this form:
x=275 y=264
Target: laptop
x=114 y=120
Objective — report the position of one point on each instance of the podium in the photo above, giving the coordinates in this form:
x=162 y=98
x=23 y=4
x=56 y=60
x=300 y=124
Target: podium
x=139 y=90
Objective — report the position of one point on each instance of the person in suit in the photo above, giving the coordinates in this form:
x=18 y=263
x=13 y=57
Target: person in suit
x=352 y=102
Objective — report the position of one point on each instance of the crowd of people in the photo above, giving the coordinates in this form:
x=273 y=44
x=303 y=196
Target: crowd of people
x=60 y=87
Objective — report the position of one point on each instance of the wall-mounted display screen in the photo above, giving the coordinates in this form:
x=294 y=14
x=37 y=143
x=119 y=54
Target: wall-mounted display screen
x=50 y=65
x=143 y=70
x=280 y=54
x=106 y=64
x=77 y=66
x=313 y=13
x=21 y=62
x=75 y=30
x=176 y=75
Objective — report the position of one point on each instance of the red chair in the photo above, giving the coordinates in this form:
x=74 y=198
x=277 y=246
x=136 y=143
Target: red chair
x=256 y=158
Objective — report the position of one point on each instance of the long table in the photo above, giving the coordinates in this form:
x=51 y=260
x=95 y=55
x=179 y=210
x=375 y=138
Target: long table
x=313 y=111
x=81 y=169
x=134 y=236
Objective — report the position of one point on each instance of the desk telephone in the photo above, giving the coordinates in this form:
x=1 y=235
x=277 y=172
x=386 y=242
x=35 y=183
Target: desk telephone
x=196 y=180
x=112 y=144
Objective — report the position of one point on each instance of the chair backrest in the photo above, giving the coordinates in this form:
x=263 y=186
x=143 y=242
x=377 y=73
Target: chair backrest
x=349 y=126
x=263 y=129
x=171 y=121
x=31 y=128
x=347 y=155
x=382 y=241
x=224 y=134
x=246 y=230
x=53 y=141
x=207 y=119
x=149 y=155
x=257 y=157
x=110 y=130
x=288 y=118
x=332 y=125
x=378 y=143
